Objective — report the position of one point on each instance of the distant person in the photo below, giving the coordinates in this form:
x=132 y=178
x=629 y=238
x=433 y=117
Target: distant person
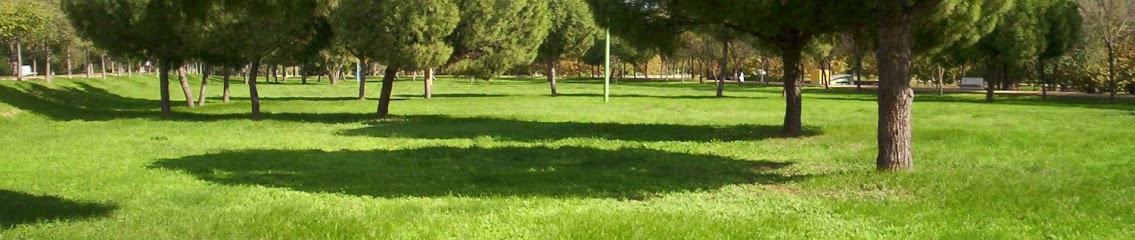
x=742 y=78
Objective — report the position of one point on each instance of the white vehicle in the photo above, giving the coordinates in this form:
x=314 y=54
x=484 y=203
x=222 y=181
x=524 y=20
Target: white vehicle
x=972 y=83
x=843 y=79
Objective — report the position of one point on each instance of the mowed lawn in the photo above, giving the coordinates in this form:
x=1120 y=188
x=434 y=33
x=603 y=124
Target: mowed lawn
x=91 y=159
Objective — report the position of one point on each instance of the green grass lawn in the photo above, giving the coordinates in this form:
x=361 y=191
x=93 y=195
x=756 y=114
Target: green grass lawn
x=502 y=160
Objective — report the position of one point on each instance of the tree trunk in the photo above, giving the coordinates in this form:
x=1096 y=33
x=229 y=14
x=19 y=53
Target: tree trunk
x=791 y=54
x=387 y=88
x=724 y=66
x=895 y=96
x=204 y=85
x=993 y=71
x=1043 y=79
x=47 y=63
x=130 y=68
x=227 y=72
x=69 y=69
x=552 y=76
x=859 y=55
x=1111 y=69
x=941 y=75
x=181 y=72
x=303 y=74
x=19 y=61
x=102 y=65
x=363 y=67
x=253 y=93
x=429 y=83
x=163 y=76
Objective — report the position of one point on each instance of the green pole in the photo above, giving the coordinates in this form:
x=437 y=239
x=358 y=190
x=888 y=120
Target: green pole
x=607 y=69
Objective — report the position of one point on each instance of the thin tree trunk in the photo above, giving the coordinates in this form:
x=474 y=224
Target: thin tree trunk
x=303 y=74
x=47 y=63
x=227 y=72
x=19 y=61
x=204 y=85
x=253 y=93
x=181 y=72
x=69 y=69
x=552 y=76
x=163 y=76
x=1043 y=79
x=895 y=95
x=859 y=55
x=941 y=75
x=130 y=68
x=387 y=88
x=363 y=78
x=1111 y=69
x=102 y=65
x=994 y=72
x=429 y=83
x=724 y=67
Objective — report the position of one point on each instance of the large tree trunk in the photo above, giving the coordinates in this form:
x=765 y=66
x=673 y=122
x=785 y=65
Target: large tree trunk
x=204 y=85
x=552 y=76
x=363 y=67
x=185 y=86
x=163 y=76
x=227 y=72
x=253 y=93
x=895 y=96
x=791 y=54
x=387 y=89
x=19 y=61
x=429 y=83
x=47 y=63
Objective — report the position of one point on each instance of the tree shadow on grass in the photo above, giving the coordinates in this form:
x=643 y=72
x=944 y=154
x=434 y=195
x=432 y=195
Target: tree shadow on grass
x=566 y=172
x=21 y=208
x=709 y=95
x=442 y=127
x=979 y=98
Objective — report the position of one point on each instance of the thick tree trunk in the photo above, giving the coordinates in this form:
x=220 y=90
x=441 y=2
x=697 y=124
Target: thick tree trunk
x=181 y=72
x=227 y=72
x=253 y=93
x=895 y=96
x=791 y=55
x=429 y=83
x=163 y=76
x=19 y=61
x=552 y=76
x=363 y=79
x=387 y=89
x=204 y=85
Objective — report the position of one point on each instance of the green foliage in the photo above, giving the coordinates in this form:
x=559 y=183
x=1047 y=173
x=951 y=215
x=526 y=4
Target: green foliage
x=494 y=36
x=572 y=33
x=402 y=34
x=151 y=28
x=21 y=18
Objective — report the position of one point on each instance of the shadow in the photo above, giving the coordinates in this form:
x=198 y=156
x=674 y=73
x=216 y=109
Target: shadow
x=21 y=208
x=442 y=127
x=300 y=99
x=455 y=95
x=710 y=95
x=566 y=172
x=869 y=95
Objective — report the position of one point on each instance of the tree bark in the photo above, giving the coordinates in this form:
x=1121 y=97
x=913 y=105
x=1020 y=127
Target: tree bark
x=994 y=72
x=69 y=69
x=363 y=67
x=895 y=95
x=102 y=65
x=163 y=76
x=19 y=61
x=387 y=88
x=859 y=55
x=724 y=66
x=941 y=75
x=429 y=83
x=204 y=85
x=253 y=93
x=185 y=86
x=227 y=72
x=791 y=54
x=552 y=76
x=1111 y=69
x=303 y=74
x=47 y=63
x=130 y=68
x=1043 y=79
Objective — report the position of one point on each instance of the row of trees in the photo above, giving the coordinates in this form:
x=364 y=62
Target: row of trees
x=1005 y=40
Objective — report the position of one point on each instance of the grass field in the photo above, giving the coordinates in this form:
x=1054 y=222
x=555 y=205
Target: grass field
x=87 y=159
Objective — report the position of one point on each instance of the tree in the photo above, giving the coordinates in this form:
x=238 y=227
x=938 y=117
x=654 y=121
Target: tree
x=494 y=36
x=402 y=34
x=572 y=33
x=151 y=28
x=1062 y=26
x=18 y=20
x=1111 y=21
